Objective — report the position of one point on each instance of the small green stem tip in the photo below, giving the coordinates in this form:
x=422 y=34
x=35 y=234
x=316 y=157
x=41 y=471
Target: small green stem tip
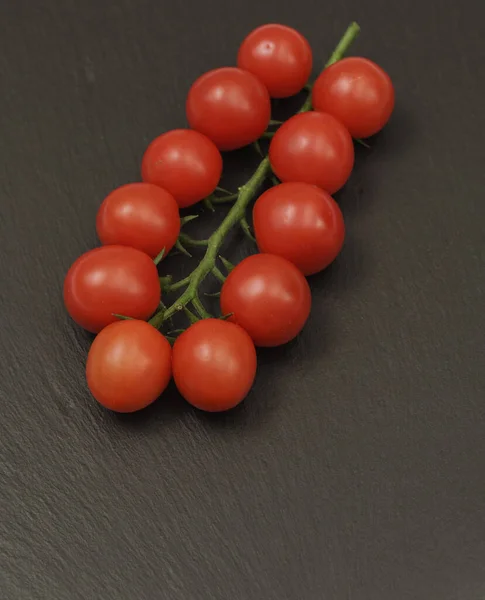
x=200 y=309
x=159 y=256
x=207 y=202
x=187 y=219
x=181 y=248
x=190 y=315
x=223 y=190
x=247 y=230
x=218 y=275
x=228 y=265
x=186 y=240
x=122 y=317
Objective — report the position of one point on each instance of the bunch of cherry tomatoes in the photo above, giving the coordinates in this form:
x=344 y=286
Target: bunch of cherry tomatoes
x=299 y=228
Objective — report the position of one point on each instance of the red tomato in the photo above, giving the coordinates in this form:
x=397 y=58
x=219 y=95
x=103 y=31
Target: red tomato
x=269 y=298
x=140 y=215
x=111 y=280
x=301 y=223
x=279 y=56
x=214 y=364
x=185 y=163
x=230 y=106
x=358 y=93
x=314 y=148
x=129 y=366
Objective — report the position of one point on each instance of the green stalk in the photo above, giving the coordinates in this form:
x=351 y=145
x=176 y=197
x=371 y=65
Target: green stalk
x=237 y=213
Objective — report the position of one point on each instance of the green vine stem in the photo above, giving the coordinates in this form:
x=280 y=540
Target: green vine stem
x=237 y=214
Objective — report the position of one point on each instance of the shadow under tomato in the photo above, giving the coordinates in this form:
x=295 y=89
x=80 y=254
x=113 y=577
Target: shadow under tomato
x=280 y=354
x=345 y=274
x=390 y=144
x=239 y=165
x=168 y=407
x=239 y=416
x=354 y=197
x=399 y=135
x=284 y=108
x=250 y=415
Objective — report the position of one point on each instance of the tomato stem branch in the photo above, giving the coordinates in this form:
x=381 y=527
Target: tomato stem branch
x=237 y=214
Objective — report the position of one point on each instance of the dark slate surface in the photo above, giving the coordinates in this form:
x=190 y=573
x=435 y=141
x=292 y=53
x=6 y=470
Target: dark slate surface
x=355 y=469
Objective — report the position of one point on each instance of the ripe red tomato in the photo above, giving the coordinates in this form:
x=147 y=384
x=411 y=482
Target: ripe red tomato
x=185 y=163
x=214 y=364
x=129 y=366
x=314 y=148
x=358 y=93
x=230 y=106
x=301 y=223
x=140 y=215
x=269 y=298
x=111 y=280
x=279 y=56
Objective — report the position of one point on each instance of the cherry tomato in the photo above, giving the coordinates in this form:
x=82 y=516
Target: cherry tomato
x=185 y=163
x=129 y=366
x=230 y=106
x=111 y=280
x=358 y=93
x=269 y=298
x=214 y=364
x=314 y=148
x=140 y=215
x=279 y=56
x=301 y=223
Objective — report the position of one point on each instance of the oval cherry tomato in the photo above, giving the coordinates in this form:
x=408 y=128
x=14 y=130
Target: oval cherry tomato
x=269 y=298
x=230 y=106
x=140 y=215
x=214 y=364
x=301 y=223
x=185 y=163
x=129 y=365
x=111 y=280
x=358 y=93
x=279 y=56
x=314 y=148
